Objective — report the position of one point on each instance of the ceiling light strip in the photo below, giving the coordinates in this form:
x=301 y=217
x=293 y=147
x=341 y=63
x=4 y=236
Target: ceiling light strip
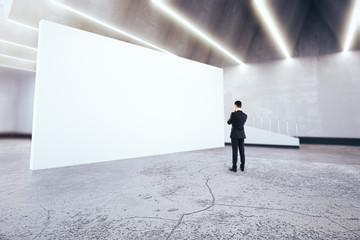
x=22 y=24
x=196 y=30
x=17 y=44
x=108 y=26
x=269 y=21
x=19 y=68
x=353 y=22
x=17 y=58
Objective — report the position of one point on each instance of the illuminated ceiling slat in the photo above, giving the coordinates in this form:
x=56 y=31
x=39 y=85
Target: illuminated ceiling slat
x=352 y=24
x=108 y=26
x=22 y=24
x=269 y=21
x=17 y=44
x=195 y=29
x=8 y=66
x=17 y=58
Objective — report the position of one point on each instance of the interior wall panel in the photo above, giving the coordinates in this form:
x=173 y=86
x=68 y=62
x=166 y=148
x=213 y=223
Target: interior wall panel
x=319 y=94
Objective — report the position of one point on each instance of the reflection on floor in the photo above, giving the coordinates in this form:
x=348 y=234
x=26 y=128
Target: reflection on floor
x=311 y=193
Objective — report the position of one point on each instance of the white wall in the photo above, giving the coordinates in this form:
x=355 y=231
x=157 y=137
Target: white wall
x=99 y=99
x=24 y=102
x=16 y=100
x=7 y=102
x=321 y=94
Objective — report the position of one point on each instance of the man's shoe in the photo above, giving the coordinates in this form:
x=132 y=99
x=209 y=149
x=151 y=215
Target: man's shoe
x=232 y=169
x=242 y=169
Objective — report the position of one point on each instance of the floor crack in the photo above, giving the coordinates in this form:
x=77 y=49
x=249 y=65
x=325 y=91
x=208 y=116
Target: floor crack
x=290 y=211
x=191 y=213
x=342 y=226
x=46 y=223
x=158 y=218
x=267 y=208
x=231 y=236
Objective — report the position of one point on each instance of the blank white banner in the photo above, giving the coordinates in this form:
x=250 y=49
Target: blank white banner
x=99 y=99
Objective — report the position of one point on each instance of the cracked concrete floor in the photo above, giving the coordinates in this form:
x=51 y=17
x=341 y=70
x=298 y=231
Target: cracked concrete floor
x=311 y=193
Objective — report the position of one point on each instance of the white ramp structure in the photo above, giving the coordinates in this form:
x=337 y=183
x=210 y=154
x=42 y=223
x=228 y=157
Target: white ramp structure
x=257 y=136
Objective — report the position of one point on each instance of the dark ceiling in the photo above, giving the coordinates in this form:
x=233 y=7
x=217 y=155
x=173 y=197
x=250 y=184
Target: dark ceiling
x=311 y=27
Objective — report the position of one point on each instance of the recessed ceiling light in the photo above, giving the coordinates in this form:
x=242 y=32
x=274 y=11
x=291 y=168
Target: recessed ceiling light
x=353 y=22
x=22 y=24
x=195 y=29
x=269 y=21
x=17 y=44
x=17 y=58
x=108 y=26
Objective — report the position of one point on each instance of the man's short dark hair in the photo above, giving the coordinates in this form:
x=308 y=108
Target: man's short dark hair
x=238 y=103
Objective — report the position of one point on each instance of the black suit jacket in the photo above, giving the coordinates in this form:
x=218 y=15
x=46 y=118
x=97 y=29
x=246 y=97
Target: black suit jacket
x=237 y=119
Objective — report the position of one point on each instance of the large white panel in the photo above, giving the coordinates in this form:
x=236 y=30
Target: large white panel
x=99 y=99
x=6 y=7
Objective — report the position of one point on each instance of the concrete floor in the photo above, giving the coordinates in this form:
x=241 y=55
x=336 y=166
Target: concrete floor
x=311 y=193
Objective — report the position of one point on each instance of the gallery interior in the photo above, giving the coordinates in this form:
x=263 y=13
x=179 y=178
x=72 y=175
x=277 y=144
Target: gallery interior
x=113 y=119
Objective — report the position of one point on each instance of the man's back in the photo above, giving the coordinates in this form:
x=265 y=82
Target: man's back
x=237 y=120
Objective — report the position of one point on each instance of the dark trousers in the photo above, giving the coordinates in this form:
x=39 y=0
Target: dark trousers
x=238 y=143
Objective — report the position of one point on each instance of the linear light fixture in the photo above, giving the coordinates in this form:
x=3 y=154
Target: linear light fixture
x=269 y=21
x=17 y=44
x=353 y=22
x=17 y=58
x=108 y=26
x=8 y=66
x=195 y=29
x=22 y=24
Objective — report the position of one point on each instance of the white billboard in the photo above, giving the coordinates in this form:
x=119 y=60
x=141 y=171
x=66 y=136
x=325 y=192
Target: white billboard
x=100 y=99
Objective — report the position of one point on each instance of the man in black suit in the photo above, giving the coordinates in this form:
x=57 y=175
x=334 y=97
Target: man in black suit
x=237 y=120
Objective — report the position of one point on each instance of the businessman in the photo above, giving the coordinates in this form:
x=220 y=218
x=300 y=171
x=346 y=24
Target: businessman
x=237 y=120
